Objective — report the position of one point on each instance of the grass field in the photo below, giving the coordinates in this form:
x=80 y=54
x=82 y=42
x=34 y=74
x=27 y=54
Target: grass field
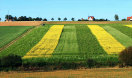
x=8 y=33
x=76 y=43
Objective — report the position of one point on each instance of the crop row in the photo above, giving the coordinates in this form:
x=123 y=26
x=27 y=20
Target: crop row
x=47 y=44
x=107 y=41
x=22 y=46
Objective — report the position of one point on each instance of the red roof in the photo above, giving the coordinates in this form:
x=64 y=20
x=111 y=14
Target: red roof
x=128 y=18
x=91 y=17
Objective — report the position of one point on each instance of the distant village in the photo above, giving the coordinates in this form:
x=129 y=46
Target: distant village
x=92 y=18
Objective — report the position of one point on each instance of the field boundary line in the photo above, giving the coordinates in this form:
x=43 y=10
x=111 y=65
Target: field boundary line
x=18 y=38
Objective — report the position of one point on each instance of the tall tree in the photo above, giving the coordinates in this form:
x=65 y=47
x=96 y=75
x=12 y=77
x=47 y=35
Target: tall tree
x=0 y=19
x=30 y=19
x=65 y=19
x=44 y=19
x=73 y=19
x=8 y=17
x=15 y=18
x=59 y=18
x=52 y=19
x=116 y=17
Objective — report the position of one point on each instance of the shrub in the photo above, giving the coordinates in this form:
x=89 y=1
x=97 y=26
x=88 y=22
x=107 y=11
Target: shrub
x=125 y=57
x=112 y=63
x=11 y=61
x=91 y=63
x=67 y=65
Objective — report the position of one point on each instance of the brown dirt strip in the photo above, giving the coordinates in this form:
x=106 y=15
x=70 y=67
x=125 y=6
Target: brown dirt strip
x=12 y=42
x=21 y=23
x=81 y=73
x=88 y=22
x=36 y=23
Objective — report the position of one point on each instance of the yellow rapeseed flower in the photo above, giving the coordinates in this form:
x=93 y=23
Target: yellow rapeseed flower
x=47 y=44
x=108 y=43
x=129 y=26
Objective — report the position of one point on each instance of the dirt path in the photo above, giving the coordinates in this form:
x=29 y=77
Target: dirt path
x=12 y=42
x=82 y=73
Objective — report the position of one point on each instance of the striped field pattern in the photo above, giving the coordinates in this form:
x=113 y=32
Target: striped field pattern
x=47 y=44
x=109 y=43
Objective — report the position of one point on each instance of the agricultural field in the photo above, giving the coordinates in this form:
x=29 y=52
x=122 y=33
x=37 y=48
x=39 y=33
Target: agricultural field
x=7 y=34
x=72 y=43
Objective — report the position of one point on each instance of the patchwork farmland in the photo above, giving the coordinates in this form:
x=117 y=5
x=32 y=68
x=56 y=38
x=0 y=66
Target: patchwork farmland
x=67 y=42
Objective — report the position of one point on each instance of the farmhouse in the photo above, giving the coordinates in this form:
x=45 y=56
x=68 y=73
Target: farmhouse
x=91 y=18
x=129 y=18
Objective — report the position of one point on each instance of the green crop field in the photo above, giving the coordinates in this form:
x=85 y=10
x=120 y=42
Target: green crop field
x=9 y=33
x=76 y=43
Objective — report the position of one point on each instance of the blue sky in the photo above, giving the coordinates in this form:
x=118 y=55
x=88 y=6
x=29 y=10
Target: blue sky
x=67 y=8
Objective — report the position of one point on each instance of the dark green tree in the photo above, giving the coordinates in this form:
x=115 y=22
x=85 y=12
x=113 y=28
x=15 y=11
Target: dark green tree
x=52 y=19
x=30 y=19
x=59 y=18
x=15 y=18
x=116 y=17
x=45 y=19
x=65 y=19
x=73 y=19
x=0 y=19
x=124 y=19
x=9 y=17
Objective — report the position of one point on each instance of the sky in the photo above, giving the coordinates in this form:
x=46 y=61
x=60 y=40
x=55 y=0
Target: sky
x=67 y=8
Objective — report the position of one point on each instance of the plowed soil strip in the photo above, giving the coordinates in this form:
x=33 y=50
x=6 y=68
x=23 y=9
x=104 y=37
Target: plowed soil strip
x=109 y=43
x=47 y=44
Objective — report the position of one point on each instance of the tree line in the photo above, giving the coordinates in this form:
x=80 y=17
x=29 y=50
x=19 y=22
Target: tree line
x=24 y=18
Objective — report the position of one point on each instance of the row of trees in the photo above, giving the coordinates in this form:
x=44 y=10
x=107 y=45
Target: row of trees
x=65 y=19
x=24 y=18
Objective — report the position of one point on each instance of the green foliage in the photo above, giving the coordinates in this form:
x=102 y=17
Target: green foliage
x=11 y=61
x=59 y=18
x=65 y=19
x=52 y=19
x=126 y=57
x=9 y=33
x=124 y=19
x=91 y=63
x=73 y=19
x=9 y=17
x=116 y=17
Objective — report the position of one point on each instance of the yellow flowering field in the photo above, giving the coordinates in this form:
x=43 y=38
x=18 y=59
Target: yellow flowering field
x=108 y=43
x=129 y=26
x=47 y=44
